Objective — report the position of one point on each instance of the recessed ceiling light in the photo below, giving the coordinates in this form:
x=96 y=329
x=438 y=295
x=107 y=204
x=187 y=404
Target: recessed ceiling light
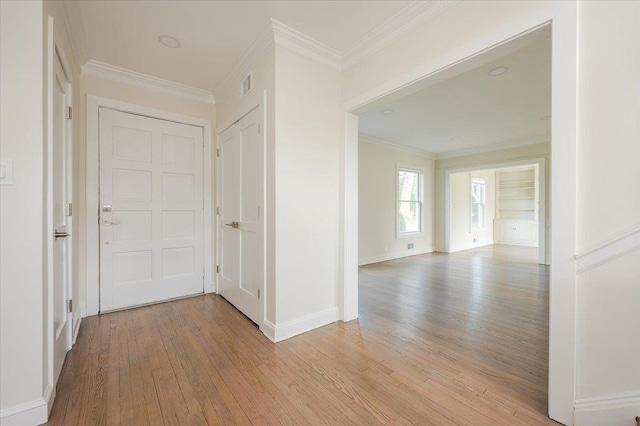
x=387 y=111
x=546 y=118
x=169 y=41
x=498 y=71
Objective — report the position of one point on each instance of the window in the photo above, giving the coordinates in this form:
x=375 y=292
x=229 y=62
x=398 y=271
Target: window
x=478 y=200
x=409 y=201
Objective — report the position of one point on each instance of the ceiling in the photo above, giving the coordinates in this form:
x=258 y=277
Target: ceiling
x=473 y=111
x=214 y=34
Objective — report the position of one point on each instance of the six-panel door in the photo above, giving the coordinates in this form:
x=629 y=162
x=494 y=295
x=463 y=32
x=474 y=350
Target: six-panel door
x=151 y=210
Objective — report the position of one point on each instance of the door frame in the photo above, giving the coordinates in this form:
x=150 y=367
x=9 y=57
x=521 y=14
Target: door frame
x=563 y=18
x=542 y=204
x=94 y=103
x=261 y=227
x=54 y=48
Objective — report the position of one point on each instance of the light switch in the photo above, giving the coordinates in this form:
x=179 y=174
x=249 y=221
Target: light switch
x=6 y=171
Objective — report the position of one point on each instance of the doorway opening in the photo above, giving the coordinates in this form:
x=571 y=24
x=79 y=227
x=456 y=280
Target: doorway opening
x=478 y=143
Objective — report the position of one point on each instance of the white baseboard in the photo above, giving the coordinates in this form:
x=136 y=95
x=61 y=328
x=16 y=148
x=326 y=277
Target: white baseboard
x=395 y=255
x=31 y=413
x=472 y=246
x=269 y=330
x=76 y=329
x=611 y=410
x=280 y=332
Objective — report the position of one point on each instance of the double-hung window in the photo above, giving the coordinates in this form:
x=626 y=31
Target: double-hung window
x=478 y=202
x=409 y=201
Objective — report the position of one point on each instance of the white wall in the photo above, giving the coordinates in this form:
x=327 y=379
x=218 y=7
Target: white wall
x=608 y=321
x=377 y=202
x=306 y=186
x=480 y=160
x=461 y=234
x=21 y=205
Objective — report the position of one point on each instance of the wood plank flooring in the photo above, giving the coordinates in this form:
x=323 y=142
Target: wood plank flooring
x=441 y=339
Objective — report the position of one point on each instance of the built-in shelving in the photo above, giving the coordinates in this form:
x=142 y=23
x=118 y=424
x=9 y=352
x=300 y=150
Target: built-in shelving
x=517 y=206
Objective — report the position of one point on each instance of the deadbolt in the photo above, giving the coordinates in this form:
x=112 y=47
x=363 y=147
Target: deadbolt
x=106 y=208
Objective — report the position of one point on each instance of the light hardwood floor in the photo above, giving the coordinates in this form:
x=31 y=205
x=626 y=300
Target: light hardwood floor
x=441 y=339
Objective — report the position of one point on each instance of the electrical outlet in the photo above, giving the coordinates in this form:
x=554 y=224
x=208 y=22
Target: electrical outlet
x=409 y=246
x=475 y=240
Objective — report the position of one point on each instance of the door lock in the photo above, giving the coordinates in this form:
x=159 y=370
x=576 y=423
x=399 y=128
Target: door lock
x=235 y=225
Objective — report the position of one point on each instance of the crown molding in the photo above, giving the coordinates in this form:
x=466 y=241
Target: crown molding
x=243 y=66
x=132 y=78
x=407 y=19
x=305 y=46
x=394 y=145
x=276 y=33
x=494 y=147
x=75 y=31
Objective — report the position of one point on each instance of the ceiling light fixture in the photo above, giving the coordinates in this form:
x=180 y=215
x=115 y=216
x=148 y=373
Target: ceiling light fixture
x=387 y=111
x=546 y=118
x=169 y=41
x=498 y=71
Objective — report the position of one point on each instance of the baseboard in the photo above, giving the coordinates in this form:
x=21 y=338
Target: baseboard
x=76 y=329
x=280 y=332
x=471 y=246
x=269 y=330
x=31 y=413
x=392 y=256
x=611 y=410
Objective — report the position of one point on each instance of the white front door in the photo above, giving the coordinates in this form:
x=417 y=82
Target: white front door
x=151 y=210
x=239 y=222
x=61 y=197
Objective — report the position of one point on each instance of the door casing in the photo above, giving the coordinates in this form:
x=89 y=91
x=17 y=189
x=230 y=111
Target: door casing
x=94 y=103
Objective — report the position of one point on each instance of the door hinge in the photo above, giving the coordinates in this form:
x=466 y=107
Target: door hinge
x=258 y=128
x=217 y=210
x=217 y=269
x=258 y=293
x=69 y=209
x=203 y=273
x=69 y=113
x=217 y=153
x=69 y=306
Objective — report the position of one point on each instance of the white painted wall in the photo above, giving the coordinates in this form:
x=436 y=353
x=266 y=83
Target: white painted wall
x=608 y=315
x=480 y=160
x=378 y=165
x=306 y=186
x=461 y=234
x=21 y=205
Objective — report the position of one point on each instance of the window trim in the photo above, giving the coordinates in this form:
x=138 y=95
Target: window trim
x=420 y=171
x=483 y=181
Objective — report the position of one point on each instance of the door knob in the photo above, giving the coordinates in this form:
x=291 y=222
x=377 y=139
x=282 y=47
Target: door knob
x=110 y=222
x=233 y=225
x=58 y=234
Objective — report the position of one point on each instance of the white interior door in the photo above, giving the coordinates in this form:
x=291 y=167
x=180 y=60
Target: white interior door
x=61 y=198
x=240 y=218
x=151 y=210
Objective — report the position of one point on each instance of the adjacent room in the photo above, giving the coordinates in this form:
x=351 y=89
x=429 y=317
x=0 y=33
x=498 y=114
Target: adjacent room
x=452 y=222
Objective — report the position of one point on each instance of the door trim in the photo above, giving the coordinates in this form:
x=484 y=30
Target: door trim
x=261 y=107
x=94 y=103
